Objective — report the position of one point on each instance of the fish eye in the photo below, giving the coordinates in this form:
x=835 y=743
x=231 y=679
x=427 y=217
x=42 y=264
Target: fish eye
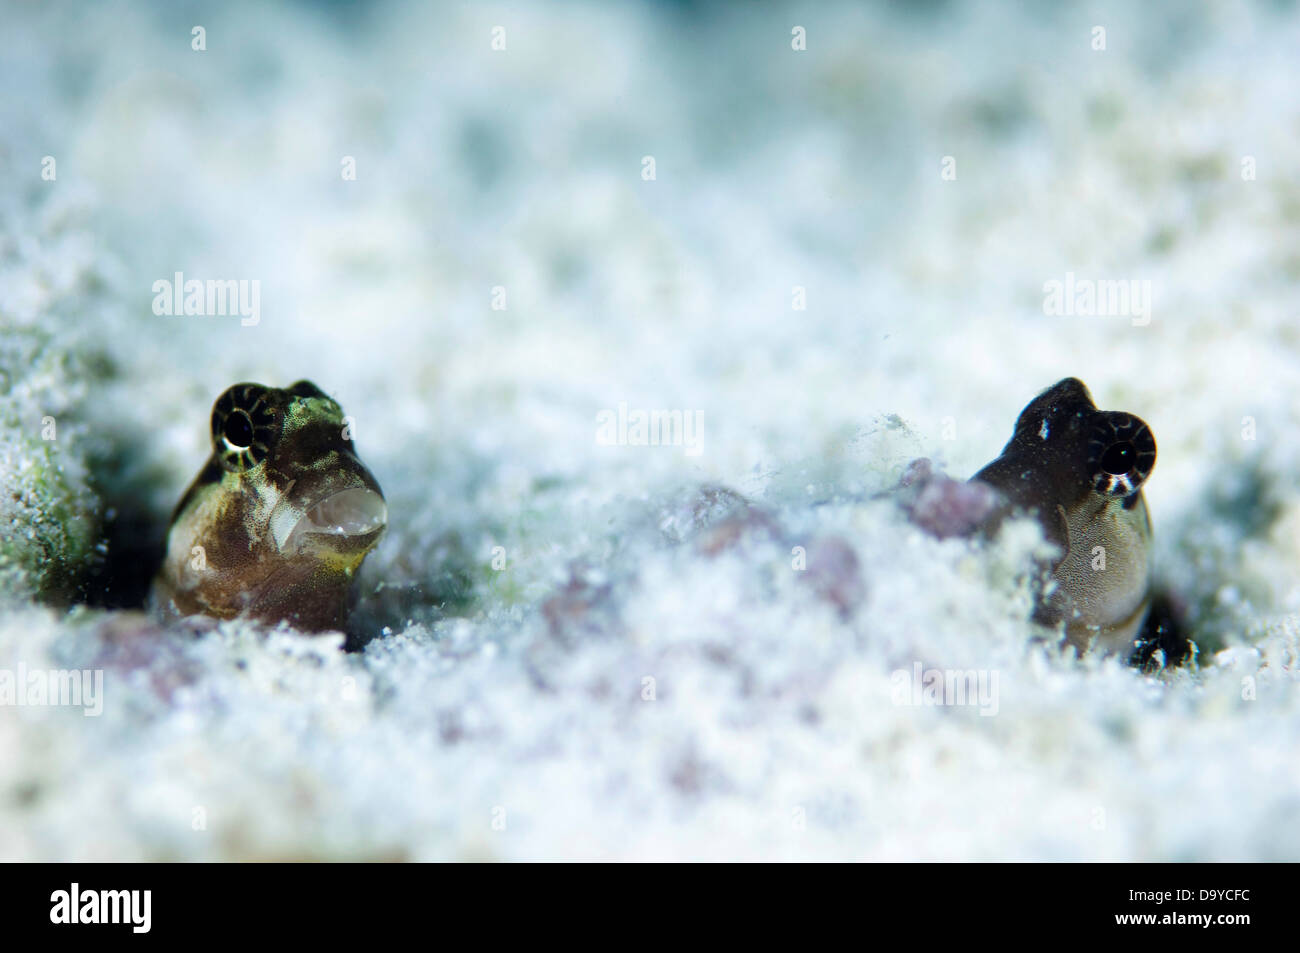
x=238 y=430
x=1119 y=457
x=1121 y=454
x=306 y=388
x=244 y=426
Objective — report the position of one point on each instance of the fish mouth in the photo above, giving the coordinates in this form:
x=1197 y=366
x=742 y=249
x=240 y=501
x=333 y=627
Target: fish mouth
x=347 y=519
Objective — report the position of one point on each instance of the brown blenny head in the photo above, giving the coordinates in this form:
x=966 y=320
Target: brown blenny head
x=1079 y=471
x=279 y=520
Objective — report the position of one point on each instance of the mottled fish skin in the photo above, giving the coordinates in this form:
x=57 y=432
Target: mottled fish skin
x=1079 y=471
x=280 y=518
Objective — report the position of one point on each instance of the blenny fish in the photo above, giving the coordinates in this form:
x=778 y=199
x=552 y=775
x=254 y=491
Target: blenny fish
x=280 y=518
x=1079 y=471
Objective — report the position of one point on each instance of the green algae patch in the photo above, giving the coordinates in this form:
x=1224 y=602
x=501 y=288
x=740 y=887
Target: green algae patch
x=48 y=514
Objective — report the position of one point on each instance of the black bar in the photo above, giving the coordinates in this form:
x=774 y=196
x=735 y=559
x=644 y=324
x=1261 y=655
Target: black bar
x=1225 y=902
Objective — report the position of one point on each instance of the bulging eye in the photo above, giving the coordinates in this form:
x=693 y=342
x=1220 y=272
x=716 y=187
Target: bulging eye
x=1119 y=458
x=244 y=426
x=1121 y=454
x=306 y=389
x=238 y=430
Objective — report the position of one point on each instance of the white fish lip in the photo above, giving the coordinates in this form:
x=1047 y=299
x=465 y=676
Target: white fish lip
x=354 y=512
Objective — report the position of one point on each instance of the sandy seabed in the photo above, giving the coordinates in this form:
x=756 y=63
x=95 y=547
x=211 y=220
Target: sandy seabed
x=648 y=675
